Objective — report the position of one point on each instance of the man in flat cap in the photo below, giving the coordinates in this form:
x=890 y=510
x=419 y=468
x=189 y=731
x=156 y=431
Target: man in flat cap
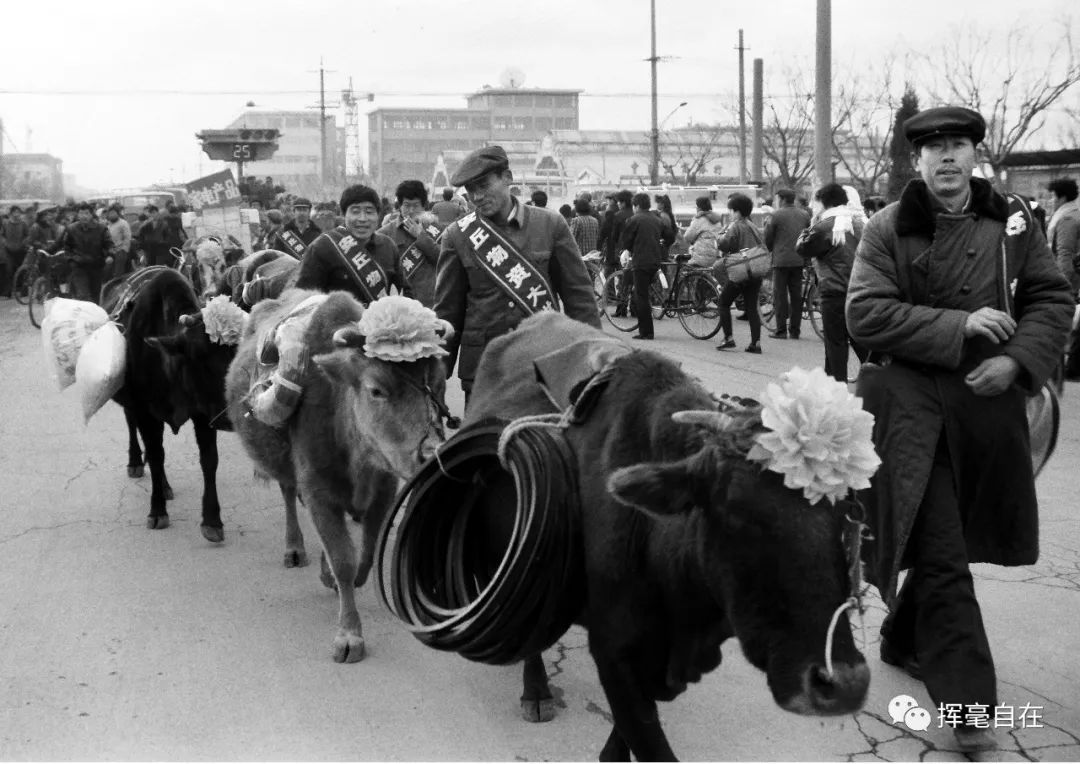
x=502 y=262
x=957 y=296
x=299 y=233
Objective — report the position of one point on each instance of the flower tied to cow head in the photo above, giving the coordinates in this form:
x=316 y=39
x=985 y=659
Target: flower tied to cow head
x=817 y=436
x=210 y=252
x=397 y=328
x=223 y=320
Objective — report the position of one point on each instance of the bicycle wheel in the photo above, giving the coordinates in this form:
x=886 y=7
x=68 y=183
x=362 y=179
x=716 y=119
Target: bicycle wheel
x=812 y=310
x=21 y=283
x=596 y=276
x=698 y=306
x=854 y=365
x=39 y=293
x=615 y=301
x=765 y=304
x=657 y=292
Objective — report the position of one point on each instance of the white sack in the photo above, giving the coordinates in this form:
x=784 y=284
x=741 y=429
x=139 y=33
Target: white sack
x=100 y=368
x=66 y=327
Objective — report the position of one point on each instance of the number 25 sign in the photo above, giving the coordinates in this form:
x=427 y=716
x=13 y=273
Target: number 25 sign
x=242 y=152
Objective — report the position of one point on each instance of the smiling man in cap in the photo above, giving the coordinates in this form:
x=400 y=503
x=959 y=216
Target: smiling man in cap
x=503 y=262
x=957 y=296
x=299 y=233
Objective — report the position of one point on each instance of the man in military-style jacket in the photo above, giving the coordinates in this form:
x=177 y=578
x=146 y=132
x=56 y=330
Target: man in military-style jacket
x=503 y=262
x=955 y=292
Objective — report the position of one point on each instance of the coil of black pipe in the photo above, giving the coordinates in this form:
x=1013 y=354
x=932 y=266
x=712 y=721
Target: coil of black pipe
x=485 y=561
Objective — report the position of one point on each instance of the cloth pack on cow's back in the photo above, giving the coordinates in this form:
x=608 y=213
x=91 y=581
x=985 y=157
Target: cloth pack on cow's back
x=99 y=372
x=67 y=326
x=283 y=361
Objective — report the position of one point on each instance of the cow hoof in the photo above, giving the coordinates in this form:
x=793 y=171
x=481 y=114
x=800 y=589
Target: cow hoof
x=538 y=710
x=296 y=558
x=157 y=522
x=135 y=472
x=210 y=533
x=348 y=648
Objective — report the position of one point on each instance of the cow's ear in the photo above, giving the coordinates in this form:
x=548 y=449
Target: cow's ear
x=657 y=488
x=339 y=366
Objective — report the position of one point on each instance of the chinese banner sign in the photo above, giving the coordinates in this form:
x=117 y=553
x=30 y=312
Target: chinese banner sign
x=215 y=190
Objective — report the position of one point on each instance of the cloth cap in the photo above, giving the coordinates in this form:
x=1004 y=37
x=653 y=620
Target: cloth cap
x=945 y=120
x=479 y=163
x=301 y=202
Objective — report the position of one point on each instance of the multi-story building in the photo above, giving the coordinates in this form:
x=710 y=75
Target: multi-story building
x=406 y=142
x=31 y=176
x=296 y=163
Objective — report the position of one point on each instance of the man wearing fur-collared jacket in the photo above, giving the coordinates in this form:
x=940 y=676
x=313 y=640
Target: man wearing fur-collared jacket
x=957 y=297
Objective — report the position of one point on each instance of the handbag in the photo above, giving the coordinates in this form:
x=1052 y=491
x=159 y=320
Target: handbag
x=749 y=263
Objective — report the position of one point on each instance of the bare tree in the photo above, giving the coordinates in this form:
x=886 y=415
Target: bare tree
x=863 y=107
x=686 y=153
x=1011 y=79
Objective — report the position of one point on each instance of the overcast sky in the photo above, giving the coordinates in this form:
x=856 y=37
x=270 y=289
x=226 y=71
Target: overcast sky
x=67 y=68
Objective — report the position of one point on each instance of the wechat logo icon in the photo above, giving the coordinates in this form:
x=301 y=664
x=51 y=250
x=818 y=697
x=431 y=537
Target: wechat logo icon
x=904 y=709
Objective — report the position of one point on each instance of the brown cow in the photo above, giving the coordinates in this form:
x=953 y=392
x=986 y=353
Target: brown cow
x=361 y=425
x=686 y=542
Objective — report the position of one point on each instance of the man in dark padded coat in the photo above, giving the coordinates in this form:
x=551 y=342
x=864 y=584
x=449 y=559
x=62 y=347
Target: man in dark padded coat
x=956 y=294
x=503 y=262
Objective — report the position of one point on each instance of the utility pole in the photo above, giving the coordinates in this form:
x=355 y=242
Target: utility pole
x=654 y=161
x=742 y=113
x=823 y=168
x=322 y=124
x=759 y=114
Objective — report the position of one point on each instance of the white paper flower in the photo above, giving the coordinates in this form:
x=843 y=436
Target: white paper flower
x=397 y=328
x=1015 y=224
x=223 y=320
x=819 y=436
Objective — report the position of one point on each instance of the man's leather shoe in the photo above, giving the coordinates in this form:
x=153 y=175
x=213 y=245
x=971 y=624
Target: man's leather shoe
x=641 y=337
x=975 y=739
x=727 y=344
x=778 y=335
x=905 y=661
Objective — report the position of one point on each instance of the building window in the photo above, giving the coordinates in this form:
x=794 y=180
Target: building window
x=545 y=102
x=461 y=124
x=480 y=123
x=502 y=123
x=564 y=123
x=523 y=123
x=543 y=123
x=504 y=100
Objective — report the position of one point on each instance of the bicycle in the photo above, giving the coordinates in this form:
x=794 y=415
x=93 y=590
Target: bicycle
x=811 y=302
x=690 y=294
x=594 y=264
x=53 y=282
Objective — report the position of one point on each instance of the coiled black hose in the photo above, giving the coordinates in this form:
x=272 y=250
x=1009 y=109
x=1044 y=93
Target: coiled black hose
x=486 y=561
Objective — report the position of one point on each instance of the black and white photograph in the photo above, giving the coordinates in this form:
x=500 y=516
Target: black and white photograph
x=405 y=380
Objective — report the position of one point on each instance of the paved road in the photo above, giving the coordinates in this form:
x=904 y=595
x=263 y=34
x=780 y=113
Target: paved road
x=121 y=643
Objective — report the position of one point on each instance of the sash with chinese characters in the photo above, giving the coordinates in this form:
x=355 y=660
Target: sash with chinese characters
x=294 y=244
x=367 y=273
x=517 y=276
x=412 y=258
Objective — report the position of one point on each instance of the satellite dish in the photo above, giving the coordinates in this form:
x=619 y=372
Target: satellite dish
x=512 y=77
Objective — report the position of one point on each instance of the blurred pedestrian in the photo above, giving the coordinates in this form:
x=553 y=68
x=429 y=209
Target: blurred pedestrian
x=704 y=231
x=740 y=235
x=642 y=237
x=446 y=210
x=539 y=198
x=669 y=228
x=584 y=227
x=89 y=246
x=781 y=232
x=15 y=234
x=120 y=232
x=1063 y=233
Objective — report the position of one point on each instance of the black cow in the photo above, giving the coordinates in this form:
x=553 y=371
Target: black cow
x=686 y=542
x=173 y=373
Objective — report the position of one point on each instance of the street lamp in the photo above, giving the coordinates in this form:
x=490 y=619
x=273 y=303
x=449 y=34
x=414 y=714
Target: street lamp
x=654 y=167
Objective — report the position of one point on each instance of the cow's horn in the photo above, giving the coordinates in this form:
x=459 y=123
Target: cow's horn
x=348 y=337
x=713 y=420
x=187 y=320
x=444 y=328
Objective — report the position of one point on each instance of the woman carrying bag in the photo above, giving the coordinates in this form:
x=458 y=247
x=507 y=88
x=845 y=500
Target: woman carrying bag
x=743 y=277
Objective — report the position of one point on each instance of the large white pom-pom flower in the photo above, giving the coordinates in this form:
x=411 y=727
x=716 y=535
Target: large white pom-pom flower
x=223 y=320
x=819 y=436
x=397 y=328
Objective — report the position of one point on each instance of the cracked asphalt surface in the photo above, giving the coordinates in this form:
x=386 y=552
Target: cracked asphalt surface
x=117 y=642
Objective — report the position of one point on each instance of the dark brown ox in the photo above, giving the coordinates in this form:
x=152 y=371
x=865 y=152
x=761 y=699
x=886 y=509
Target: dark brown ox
x=686 y=543
x=362 y=425
x=173 y=373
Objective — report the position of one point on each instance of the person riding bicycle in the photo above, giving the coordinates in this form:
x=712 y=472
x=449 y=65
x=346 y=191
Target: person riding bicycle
x=89 y=248
x=704 y=230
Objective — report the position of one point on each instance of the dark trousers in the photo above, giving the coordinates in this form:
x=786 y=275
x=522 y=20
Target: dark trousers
x=787 y=299
x=937 y=615
x=86 y=283
x=9 y=263
x=749 y=290
x=642 y=279
x=837 y=341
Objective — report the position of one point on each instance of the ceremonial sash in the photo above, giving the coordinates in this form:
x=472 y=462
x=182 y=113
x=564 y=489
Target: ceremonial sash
x=512 y=272
x=294 y=244
x=412 y=258
x=367 y=273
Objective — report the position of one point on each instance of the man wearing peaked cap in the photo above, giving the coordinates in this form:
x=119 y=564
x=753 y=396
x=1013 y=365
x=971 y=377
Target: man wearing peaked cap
x=503 y=262
x=945 y=120
x=954 y=286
